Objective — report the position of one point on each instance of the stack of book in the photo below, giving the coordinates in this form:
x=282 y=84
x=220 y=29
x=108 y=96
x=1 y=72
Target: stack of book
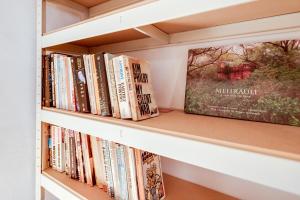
x=123 y=172
x=101 y=84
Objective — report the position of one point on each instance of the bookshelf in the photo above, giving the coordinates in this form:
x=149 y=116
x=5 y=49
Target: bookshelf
x=112 y=26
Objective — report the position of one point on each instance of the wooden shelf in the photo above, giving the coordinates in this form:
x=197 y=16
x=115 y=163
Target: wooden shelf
x=175 y=188
x=90 y=3
x=273 y=139
x=192 y=15
x=223 y=145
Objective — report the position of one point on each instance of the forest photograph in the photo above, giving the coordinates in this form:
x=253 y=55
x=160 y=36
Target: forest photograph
x=258 y=81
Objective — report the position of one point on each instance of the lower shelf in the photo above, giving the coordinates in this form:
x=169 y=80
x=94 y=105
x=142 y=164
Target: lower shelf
x=63 y=187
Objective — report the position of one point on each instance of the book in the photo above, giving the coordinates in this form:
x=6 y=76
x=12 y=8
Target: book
x=131 y=173
x=47 y=86
x=60 y=147
x=67 y=152
x=149 y=176
x=108 y=169
x=53 y=87
x=121 y=171
x=96 y=82
x=81 y=85
x=114 y=169
x=75 y=85
x=122 y=87
x=88 y=159
x=97 y=151
x=142 y=101
x=108 y=58
x=255 y=81
x=90 y=83
x=79 y=157
x=73 y=164
x=53 y=146
x=102 y=85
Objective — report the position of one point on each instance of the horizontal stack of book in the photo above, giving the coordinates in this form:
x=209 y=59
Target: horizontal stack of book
x=101 y=84
x=123 y=172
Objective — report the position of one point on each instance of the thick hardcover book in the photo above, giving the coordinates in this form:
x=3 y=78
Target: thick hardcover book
x=122 y=87
x=258 y=81
x=108 y=169
x=142 y=101
x=105 y=104
x=79 y=158
x=108 y=58
x=81 y=85
x=88 y=159
x=149 y=176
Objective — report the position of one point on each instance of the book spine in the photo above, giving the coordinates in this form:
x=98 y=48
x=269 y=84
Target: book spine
x=73 y=168
x=131 y=89
x=53 y=146
x=112 y=85
x=122 y=176
x=90 y=84
x=82 y=88
x=122 y=87
x=105 y=104
x=43 y=81
x=79 y=157
x=56 y=80
x=131 y=173
x=95 y=76
x=96 y=159
x=67 y=152
x=108 y=169
x=114 y=166
x=75 y=89
x=60 y=150
x=139 y=173
x=88 y=159
x=53 y=80
x=46 y=77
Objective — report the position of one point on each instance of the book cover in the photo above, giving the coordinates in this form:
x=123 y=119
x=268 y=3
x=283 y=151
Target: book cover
x=114 y=169
x=122 y=87
x=131 y=173
x=102 y=84
x=142 y=101
x=258 y=81
x=81 y=82
x=149 y=173
x=108 y=58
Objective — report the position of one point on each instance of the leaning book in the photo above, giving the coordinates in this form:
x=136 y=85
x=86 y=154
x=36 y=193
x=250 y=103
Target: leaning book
x=258 y=81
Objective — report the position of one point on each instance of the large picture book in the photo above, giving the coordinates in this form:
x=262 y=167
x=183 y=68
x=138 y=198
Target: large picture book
x=258 y=81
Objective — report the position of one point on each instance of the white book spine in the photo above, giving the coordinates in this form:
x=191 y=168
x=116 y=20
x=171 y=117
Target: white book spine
x=133 y=190
x=89 y=79
x=122 y=87
x=53 y=146
x=56 y=72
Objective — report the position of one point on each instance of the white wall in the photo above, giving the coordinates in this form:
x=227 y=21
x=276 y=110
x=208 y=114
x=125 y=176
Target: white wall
x=17 y=99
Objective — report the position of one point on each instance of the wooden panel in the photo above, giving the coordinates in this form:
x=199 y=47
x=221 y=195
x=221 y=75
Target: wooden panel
x=115 y=37
x=272 y=139
x=233 y=14
x=89 y=3
x=176 y=189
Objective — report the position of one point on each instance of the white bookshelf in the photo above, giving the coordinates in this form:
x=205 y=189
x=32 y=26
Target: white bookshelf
x=264 y=154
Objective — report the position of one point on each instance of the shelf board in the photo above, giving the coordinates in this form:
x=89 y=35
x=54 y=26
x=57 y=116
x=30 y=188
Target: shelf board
x=266 y=138
x=90 y=3
x=192 y=15
x=127 y=19
x=226 y=146
x=175 y=188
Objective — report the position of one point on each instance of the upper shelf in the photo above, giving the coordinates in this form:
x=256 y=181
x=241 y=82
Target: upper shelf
x=218 y=144
x=183 y=16
x=90 y=3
